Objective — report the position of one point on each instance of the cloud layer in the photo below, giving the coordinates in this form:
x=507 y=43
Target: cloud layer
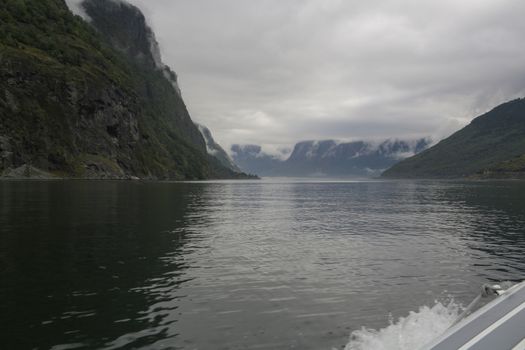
x=275 y=72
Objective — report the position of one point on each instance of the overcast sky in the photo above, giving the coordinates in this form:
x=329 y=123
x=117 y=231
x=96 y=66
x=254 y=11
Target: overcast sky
x=275 y=72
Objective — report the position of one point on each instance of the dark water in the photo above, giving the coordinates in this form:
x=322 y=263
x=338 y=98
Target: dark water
x=243 y=265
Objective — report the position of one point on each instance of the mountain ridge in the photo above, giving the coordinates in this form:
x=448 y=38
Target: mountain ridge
x=490 y=139
x=329 y=157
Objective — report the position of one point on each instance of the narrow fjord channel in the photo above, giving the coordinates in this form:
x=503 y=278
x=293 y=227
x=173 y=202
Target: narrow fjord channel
x=278 y=264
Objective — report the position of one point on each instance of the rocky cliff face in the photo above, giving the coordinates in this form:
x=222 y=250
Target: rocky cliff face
x=125 y=27
x=92 y=100
x=215 y=150
x=62 y=122
x=331 y=158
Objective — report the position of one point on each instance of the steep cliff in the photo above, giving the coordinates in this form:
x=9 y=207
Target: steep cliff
x=215 y=150
x=92 y=100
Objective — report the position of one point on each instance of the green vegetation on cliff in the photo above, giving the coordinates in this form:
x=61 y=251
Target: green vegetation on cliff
x=74 y=105
x=495 y=137
x=509 y=169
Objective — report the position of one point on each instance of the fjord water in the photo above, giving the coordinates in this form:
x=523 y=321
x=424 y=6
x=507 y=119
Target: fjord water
x=277 y=264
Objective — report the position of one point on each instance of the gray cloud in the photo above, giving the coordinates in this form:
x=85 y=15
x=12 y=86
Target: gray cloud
x=76 y=8
x=275 y=72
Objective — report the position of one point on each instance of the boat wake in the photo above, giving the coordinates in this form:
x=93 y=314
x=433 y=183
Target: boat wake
x=407 y=333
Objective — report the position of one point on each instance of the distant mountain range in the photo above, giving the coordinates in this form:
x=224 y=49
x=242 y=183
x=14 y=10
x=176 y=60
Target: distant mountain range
x=491 y=146
x=329 y=158
x=253 y=160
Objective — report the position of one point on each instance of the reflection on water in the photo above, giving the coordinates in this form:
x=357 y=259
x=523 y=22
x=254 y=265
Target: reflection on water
x=78 y=254
x=243 y=265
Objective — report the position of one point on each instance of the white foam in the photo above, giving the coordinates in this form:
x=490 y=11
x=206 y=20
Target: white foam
x=408 y=333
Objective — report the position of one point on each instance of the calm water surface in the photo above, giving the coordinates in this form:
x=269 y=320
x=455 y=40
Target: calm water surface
x=278 y=264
